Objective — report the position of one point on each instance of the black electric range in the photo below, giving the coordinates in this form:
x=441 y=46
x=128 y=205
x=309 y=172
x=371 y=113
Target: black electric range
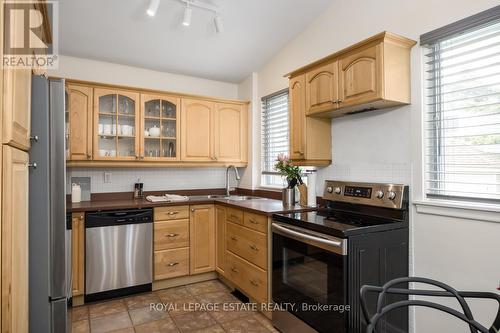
x=321 y=259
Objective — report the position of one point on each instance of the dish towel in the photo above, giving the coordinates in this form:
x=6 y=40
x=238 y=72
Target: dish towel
x=166 y=198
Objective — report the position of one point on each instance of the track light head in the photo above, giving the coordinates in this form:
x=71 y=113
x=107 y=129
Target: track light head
x=153 y=7
x=219 y=25
x=187 y=16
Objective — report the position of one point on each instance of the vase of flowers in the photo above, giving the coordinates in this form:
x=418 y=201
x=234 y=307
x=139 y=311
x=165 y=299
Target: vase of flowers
x=291 y=174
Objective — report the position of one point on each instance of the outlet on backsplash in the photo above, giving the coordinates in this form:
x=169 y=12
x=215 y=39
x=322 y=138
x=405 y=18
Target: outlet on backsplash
x=107 y=177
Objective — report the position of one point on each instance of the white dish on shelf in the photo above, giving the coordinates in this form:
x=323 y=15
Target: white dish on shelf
x=154 y=132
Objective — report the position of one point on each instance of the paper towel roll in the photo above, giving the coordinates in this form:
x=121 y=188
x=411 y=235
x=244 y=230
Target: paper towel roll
x=311 y=188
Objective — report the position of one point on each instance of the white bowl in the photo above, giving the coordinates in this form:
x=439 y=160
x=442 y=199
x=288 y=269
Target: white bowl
x=154 y=132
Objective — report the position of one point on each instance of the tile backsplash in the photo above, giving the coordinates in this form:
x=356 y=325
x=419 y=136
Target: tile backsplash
x=399 y=173
x=123 y=179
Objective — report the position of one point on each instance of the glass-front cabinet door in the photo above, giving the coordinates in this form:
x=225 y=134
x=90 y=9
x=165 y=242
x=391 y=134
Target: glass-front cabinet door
x=159 y=127
x=116 y=125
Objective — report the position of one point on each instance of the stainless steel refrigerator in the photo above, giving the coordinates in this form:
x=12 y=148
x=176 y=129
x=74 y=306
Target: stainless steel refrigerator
x=47 y=208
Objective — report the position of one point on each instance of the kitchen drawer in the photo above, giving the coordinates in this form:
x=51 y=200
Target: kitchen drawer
x=255 y=222
x=171 y=234
x=171 y=263
x=234 y=215
x=171 y=213
x=248 y=244
x=247 y=277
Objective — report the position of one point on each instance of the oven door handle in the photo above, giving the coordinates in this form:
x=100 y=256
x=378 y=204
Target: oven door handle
x=335 y=245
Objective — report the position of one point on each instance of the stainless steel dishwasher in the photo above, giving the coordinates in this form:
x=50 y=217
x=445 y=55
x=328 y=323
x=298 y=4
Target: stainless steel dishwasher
x=118 y=253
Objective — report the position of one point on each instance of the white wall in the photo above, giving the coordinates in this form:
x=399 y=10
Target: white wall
x=106 y=72
x=154 y=179
x=385 y=145
x=247 y=90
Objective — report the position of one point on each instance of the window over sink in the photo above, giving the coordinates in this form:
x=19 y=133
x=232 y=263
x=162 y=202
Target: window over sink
x=275 y=133
x=462 y=109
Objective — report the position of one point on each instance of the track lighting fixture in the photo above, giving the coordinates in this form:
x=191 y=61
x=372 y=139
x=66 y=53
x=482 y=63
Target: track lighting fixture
x=188 y=11
x=186 y=21
x=219 y=25
x=153 y=7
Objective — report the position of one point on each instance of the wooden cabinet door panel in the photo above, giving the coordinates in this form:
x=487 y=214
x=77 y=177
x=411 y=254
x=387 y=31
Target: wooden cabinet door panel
x=15 y=241
x=78 y=253
x=297 y=93
x=171 y=263
x=360 y=76
x=202 y=239
x=197 y=137
x=220 y=239
x=230 y=132
x=17 y=108
x=171 y=234
x=80 y=121
x=322 y=88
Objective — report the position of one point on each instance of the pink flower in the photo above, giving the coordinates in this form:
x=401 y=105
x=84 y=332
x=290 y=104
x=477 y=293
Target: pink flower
x=283 y=158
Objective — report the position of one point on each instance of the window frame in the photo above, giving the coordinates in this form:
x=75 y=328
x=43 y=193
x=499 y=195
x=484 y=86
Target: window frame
x=433 y=38
x=262 y=172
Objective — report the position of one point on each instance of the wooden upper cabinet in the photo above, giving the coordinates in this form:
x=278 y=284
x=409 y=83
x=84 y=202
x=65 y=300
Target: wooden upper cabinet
x=78 y=122
x=15 y=241
x=297 y=107
x=372 y=74
x=17 y=108
x=197 y=130
x=360 y=76
x=310 y=138
x=230 y=132
x=160 y=127
x=116 y=124
x=202 y=239
x=322 y=88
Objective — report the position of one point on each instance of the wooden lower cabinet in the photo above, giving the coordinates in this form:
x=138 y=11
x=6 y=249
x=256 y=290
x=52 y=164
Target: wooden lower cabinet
x=171 y=234
x=220 y=240
x=202 y=239
x=245 y=258
x=248 y=244
x=15 y=241
x=171 y=263
x=78 y=253
x=248 y=277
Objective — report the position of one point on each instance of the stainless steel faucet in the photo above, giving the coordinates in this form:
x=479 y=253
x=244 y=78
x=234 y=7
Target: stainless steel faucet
x=237 y=174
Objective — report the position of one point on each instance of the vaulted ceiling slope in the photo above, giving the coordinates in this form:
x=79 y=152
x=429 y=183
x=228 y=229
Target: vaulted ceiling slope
x=119 y=31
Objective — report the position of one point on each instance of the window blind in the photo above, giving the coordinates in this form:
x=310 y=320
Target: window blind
x=274 y=135
x=462 y=114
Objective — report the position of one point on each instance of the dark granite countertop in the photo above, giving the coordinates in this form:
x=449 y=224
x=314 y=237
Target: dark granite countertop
x=259 y=205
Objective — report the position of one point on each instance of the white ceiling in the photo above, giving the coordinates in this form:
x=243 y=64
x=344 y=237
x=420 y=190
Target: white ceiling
x=119 y=31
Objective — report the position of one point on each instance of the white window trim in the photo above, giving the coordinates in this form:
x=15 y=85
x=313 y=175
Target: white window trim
x=463 y=210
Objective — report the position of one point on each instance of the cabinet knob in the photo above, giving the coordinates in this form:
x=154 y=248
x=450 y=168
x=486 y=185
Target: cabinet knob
x=89 y=156
x=32 y=165
x=34 y=138
x=192 y=209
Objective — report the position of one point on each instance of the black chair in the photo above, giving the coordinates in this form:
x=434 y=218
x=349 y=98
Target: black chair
x=383 y=309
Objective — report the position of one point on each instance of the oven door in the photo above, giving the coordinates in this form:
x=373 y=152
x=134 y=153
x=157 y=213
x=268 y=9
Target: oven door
x=308 y=280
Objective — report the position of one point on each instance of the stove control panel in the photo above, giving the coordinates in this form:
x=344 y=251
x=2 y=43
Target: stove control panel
x=374 y=194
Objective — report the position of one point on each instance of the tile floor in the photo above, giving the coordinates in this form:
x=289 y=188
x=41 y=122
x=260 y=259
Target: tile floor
x=175 y=312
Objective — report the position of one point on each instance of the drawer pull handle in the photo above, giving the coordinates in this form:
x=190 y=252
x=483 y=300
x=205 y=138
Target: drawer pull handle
x=234 y=270
x=172 y=264
x=234 y=217
x=253 y=247
x=172 y=235
x=234 y=238
x=173 y=213
x=254 y=283
x=253 y=221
